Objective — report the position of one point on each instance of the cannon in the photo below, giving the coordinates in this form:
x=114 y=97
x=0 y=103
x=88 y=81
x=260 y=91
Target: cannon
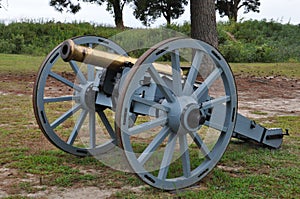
x=173 y=111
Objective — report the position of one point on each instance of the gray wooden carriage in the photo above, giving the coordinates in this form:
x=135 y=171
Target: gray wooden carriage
x=173 y=111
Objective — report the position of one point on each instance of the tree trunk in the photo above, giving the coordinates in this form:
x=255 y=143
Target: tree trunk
x=168 y=18
x=167 y=15
x=235 y=10
x=203 y=21
x=118 y=11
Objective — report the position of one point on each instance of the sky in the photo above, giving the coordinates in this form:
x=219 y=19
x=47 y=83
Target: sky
x=283 y=11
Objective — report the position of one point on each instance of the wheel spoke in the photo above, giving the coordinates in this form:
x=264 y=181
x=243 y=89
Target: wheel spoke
x=107 y=124
x=216 y=126
x=92 y=128
x=147 y=126
x=207 y=83
x=91 y=69
x=161 y=84
x=193 y=73
x=218 y=112
x=160 y=137
x=58 y=99
x=65 y=116
x=91 y=72
x=201 y=145
x=215 y=102
x=176 y=73
x=65 y=81
x=143 y=106
x=77 y=127
x=185 y=156
x=168 y=155
x=78 y=72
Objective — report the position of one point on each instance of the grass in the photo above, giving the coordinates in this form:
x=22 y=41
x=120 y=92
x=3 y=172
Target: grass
x=19 y=63
x=289 y=70
x=245 y=171
x=258 y=113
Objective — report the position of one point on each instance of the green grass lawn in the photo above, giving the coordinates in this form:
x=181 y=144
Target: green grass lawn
x=289 y=70
x=19 y=63
x=245 y=171
x=29 y=64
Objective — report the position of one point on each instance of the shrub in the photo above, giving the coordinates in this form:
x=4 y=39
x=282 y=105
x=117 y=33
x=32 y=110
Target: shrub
x=248 y=41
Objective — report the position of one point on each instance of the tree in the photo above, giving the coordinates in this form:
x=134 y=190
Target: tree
x=230 y=8
x=149 y=11
x=203 y=21
x=114 y=6
x=2 y=6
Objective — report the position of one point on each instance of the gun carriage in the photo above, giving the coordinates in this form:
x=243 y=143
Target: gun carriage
x=173 y=119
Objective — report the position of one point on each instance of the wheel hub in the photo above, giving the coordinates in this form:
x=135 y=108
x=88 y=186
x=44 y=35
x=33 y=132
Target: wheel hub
x=87 y=96
x=192 y=118
x=185 y=115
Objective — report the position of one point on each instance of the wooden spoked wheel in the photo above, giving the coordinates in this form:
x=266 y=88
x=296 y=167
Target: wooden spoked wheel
x=64 y=102
x=185 y=119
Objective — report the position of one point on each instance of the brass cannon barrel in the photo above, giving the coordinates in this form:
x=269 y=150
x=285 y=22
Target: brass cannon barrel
x=70 y=51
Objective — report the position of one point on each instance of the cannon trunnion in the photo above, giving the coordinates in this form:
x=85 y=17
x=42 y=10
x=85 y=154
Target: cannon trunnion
x=173 y=119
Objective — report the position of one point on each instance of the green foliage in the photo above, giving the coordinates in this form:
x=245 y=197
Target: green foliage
x=185 y=28
x=255 y=41
x=61 y=5
x=39 y=37
x=248 y=41
x=115 y=7
x=149 y=11
x=230 y=8
x=259 y=41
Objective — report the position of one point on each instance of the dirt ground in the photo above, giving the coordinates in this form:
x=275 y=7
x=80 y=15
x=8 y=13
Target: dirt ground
x=273 y=95
x=258 y=97
x=268 y=96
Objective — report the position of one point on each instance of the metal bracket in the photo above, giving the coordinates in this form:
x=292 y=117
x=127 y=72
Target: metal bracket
x=277 y=136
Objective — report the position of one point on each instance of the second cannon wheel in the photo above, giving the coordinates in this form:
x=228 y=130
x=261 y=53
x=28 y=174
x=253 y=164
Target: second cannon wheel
x=64 y=102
